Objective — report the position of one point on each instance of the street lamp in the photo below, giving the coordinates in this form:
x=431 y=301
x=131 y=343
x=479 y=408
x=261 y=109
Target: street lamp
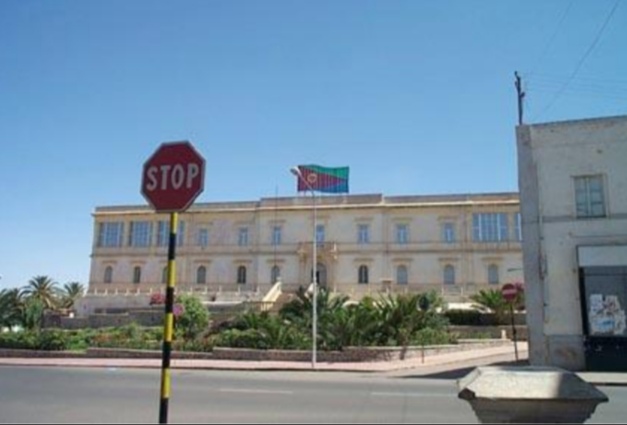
x=314 y=280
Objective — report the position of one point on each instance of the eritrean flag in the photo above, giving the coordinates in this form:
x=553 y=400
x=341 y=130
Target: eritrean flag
x=323 y=179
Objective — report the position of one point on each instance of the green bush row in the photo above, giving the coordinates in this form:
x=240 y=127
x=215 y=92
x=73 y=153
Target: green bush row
x=130 y=336
x=476 y=318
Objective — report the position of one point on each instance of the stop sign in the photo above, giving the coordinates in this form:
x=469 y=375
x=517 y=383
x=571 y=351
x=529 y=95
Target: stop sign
x=173 y=177
x=509 y=292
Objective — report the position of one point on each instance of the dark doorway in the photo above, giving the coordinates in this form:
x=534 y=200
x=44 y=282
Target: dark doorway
x=604 y=303
x=321 y=274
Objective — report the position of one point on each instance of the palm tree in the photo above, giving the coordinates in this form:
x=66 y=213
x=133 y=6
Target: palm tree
x=11 y=304
x=333 y=327
x=491 y=301
x=44 y=289
x=71 y=293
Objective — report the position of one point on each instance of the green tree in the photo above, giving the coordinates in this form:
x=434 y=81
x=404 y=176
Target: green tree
x=263 y=330
x=32 y=313
x=71 y=292
x=194 y=318
x=491 y=301
x=332 y=317
x=11 y=304
x=43 y=289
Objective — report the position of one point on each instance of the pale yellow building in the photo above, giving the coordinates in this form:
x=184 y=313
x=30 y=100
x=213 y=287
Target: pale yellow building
x=366 y=244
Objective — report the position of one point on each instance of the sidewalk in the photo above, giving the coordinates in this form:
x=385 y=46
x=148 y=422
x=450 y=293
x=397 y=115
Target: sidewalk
x=455 y=364
x=427 y=364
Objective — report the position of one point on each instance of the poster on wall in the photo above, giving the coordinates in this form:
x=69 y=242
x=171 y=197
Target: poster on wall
x=606 y=317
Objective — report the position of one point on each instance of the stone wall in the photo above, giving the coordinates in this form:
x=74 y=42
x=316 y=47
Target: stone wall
x=350 y=354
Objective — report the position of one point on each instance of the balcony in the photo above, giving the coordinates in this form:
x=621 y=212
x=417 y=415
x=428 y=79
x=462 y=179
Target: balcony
x=326 y=248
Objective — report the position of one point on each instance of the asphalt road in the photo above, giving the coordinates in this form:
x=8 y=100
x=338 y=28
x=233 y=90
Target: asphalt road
x=74 y=395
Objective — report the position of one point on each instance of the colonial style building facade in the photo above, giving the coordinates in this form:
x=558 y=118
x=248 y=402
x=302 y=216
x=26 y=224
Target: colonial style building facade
x=456 y=244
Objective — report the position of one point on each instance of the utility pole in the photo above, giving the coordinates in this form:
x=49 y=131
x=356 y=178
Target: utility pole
x=520 y=95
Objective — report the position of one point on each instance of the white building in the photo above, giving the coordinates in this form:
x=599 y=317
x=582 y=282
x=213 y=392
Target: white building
x=573 y=188
x=366 y=244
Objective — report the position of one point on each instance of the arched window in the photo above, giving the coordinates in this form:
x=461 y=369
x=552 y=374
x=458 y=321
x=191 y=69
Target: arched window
x=201 y=274
x=137 y=274
x=363 y=274
x=108 y=274
x=241 y=275
x=401 y=275
x=164 y=275
x=275 y=274
x=449 y=275
x=493 y=274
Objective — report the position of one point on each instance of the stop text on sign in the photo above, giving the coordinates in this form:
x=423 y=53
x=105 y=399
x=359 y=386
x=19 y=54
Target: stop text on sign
x=171 y=177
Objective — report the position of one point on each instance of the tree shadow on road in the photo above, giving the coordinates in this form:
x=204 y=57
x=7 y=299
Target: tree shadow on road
x=461 y=372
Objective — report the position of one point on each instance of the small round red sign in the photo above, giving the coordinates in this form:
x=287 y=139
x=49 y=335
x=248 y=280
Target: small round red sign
x=509 y=292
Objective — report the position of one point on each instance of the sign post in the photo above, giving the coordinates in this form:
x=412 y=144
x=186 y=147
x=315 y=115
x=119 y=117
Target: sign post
x=171 y=179
x=510 y=292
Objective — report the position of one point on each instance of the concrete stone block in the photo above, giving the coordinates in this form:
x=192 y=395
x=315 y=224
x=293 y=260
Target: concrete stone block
x=529 y=394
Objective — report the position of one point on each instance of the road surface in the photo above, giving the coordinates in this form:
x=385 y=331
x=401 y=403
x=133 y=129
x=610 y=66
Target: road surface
x=88 y=395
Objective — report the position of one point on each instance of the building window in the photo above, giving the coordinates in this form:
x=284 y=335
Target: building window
x=401 y=275
x=320 y=233
x=518 y=226
x=493 y=274
x=275 y=274
x=449 y=275
x=589 y=196
x=108 y=274
x=201 y=274
x=402 y=234
x=202 y=238
x=489 y=227
x=363 y=274
x=110 y=234
x=140 y=234
x=363 y=235
x=137 y=274
x=163 y=233
x=242 y=238
x=164 y=275
x=448 y=232
x=276 y=235
x=241 y=275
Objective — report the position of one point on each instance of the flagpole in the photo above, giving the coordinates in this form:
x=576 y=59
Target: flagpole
x=314 y=281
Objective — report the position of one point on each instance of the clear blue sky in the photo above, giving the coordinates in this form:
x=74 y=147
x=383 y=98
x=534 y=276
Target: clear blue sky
x=416 y=97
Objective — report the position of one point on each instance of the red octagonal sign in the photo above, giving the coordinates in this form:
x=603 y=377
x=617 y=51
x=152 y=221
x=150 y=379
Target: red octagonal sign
x=173 y=177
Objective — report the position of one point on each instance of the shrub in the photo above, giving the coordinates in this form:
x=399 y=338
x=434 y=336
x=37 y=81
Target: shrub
x=52 y=340
x=194 y=318
x=80 y=339
x=130 y=336
x=25 y=340
x=429 y=336
x=200 y=345
x=235 y=338
x=464 y=317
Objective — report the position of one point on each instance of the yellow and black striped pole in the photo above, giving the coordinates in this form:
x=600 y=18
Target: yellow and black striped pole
x=168 y=323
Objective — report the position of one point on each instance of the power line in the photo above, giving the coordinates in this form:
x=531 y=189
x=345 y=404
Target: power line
x=583 y=58
x=552 y=38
